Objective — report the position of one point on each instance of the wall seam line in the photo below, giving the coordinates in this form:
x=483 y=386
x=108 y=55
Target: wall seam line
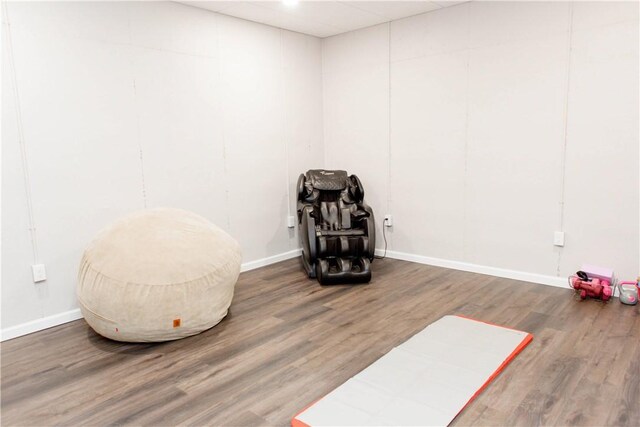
x=285 y=136
x=563 y=156
x=225 y=171
x=285 y=133
x=137 y=115
x=21 y=139
x=389 y=131
x=139 y=141
x=465 y=175
x=23 y=154
x=325 y=153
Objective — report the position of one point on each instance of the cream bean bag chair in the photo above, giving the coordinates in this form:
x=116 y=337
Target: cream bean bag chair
x=158 y=275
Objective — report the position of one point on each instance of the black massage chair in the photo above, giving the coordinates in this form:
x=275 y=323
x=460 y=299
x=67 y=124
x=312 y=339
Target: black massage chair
x=336 y=227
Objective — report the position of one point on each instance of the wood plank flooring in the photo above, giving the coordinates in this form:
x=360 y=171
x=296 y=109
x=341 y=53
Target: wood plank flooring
x=288 y=341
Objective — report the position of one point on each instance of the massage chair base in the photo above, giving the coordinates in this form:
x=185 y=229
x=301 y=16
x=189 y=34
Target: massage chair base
x=338 y=271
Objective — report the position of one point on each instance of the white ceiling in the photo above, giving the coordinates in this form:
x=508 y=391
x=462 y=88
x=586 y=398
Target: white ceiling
x=321 y=18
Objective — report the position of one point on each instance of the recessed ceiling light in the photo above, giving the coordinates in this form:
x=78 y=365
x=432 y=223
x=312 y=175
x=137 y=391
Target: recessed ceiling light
x=290 y=3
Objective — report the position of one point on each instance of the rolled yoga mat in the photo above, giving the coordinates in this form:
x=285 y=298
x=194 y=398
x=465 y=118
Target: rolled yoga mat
x=426 y=381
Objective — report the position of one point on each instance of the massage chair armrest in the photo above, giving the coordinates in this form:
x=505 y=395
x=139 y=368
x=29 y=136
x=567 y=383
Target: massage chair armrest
x=359 y=214
x=363 y=211
x=370 y=229
x=307 y=230
x=300 y=208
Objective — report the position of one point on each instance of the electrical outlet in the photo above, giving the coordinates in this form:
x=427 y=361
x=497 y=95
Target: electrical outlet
x=39 y=273
x=291 y=221
x=388 y=220
x=558 y=238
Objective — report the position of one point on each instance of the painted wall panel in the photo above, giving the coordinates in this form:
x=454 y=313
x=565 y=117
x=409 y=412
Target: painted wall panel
x=253 y=136
x=428 y=141
x=595 y=14
x=80 y=134
x=16 y=239
x=601 y=209
x=506 y=22
x=100 y=21
x=178 y=119
x=514 y=148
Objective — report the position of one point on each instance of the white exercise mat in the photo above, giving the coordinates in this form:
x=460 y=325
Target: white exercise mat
x=426 y=381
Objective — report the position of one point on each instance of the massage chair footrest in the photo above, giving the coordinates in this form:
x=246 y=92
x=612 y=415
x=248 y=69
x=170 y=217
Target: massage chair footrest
x=343 y=270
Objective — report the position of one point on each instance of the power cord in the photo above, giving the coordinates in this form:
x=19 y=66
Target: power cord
x=384 y=235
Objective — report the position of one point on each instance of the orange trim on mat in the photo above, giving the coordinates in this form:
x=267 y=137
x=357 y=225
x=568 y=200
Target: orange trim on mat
x=295 y=422
x=525 y=342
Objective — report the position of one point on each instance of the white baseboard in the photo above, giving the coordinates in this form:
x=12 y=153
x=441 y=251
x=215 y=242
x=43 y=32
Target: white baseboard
x=560 y=282
x=71 y=315
x=252 y=265
x=40 y=324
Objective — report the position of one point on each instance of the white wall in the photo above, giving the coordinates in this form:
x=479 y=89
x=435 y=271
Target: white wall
x=126 y=105
x=506 y=122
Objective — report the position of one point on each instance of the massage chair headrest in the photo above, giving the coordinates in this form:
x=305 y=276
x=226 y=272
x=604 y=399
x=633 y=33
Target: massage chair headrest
x=316 y=180
x=321 y=179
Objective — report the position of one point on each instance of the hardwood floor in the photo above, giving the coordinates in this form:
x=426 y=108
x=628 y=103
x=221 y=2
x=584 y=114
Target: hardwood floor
x=288 y=341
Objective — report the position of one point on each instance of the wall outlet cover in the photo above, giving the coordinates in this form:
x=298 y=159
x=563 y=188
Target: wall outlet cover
x=39 y=273
x=558 y=238
x=291 y=221
x=388 y=220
